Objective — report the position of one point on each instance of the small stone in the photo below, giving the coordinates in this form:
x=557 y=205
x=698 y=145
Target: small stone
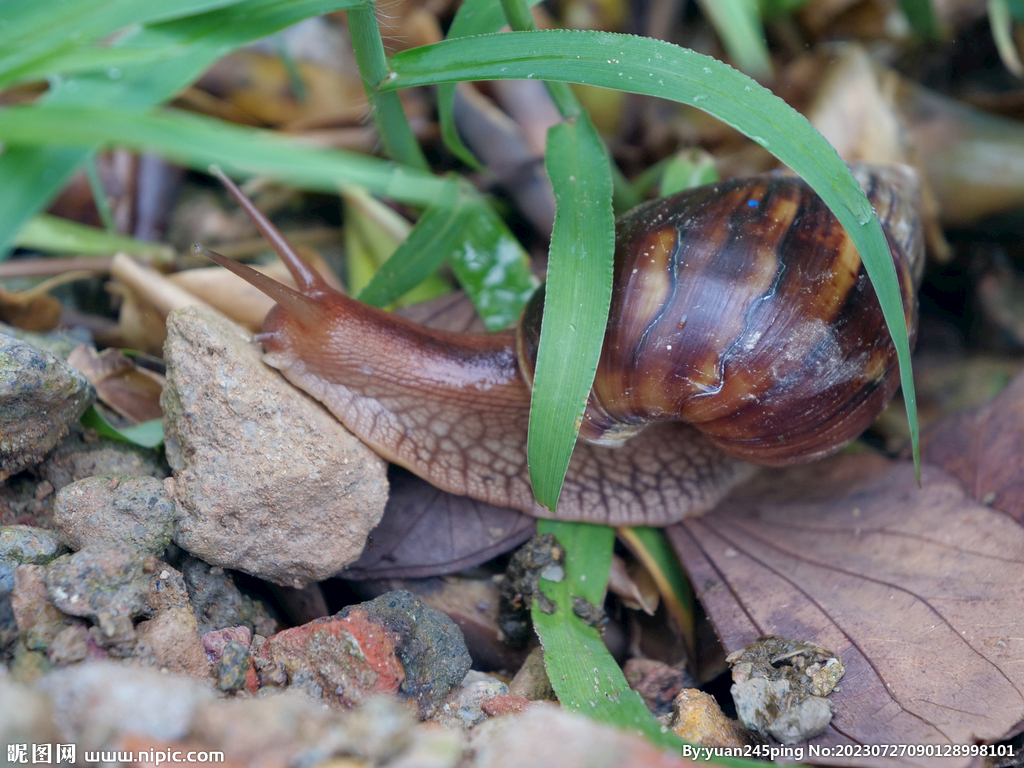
x=391 y=645
x=531 y=681
x=504 y=704
x=464 y=705
x=96 y=702
x=215 y=642
x=232 y=424
x=657 y=683
x=111 y=509
x=25 y=545
x=77 y=459
x=106 y=584
x=340 y=659
x=697 y=718
x=779 y=685
x=24 y=716
x=41 y=396
x=233 y=666
x=219 y=603
x=430 y=646
x=70 y=646
x=39 y=622
x=170 y=640
x=547 y=735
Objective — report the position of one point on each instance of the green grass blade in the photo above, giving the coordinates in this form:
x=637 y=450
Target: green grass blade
x=584 y=675
x=148 y=434
x=34 y=30
x=576 y=300
x=738 y=24
x=772 y=9
x=1001 y=21
x=386 y=109
x=52 y=234
x=33 y=175
x=198 y=142
x=423 y=251
x=655 y=68
x=922 y=18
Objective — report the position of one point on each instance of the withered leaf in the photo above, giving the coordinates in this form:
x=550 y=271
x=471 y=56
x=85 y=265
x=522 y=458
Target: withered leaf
x=984 y=449
x=426 y=532
x=130 y=391
x=919 y=591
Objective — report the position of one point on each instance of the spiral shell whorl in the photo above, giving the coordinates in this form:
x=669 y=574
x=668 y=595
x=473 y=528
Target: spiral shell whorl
x=743 y=308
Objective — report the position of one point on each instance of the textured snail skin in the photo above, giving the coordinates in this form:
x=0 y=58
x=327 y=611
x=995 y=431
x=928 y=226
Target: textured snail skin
x=454 y=408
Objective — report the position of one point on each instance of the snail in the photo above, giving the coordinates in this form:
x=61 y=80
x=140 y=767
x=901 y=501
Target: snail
x=743 y=328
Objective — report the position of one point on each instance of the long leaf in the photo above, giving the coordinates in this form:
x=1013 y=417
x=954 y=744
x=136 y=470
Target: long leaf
x=576 y=300
x=199 y=141
x=33 y=175
x=33 y=30
x=656 y=68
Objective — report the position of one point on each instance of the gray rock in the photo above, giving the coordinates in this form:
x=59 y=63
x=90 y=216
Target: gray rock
x=25 y=545
x=266 y=480
x=94 y=703
x=430 y=646
x=107 y=584
x=219 y=603
x=109 y=509
x=40 y=397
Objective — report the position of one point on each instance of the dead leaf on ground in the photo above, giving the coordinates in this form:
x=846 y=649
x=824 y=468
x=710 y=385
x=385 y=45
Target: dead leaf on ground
x=984 y=449
x=920 y=592
x=130 y=391
x=426 y=531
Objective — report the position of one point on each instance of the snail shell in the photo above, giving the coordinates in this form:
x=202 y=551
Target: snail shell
x=740 y=308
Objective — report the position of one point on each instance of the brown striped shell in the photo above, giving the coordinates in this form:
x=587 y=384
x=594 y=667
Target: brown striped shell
x=743 y=308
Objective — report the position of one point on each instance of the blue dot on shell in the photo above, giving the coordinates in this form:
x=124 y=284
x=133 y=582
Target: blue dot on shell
x=752 y=203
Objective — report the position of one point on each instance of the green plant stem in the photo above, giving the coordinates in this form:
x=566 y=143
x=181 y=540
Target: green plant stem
x=388 y=115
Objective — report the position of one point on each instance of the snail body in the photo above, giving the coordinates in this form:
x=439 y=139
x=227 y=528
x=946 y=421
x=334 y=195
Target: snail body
x=740 y=310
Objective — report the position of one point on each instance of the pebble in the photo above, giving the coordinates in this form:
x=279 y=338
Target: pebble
x=464 y=706
x=430 y=646
x=39 y=622
x=24 y=715
x=20 y=545
x=697 y=718
x=105 y=583
x=41 y=396
x=219 y=603
x=93 y=703
x=111 y=509
x=391 y=645
x=547 y=735
x=531 y=681
x=266 y=480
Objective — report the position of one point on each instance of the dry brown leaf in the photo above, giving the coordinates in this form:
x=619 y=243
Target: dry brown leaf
x=920 y=592
x=426 y=532
x=130 y=391
x=984 y=450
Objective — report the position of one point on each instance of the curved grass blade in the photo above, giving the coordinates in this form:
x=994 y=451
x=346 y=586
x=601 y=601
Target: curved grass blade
x=576 y=300
x=33 y=175
x=656 y=68
x=198 y=142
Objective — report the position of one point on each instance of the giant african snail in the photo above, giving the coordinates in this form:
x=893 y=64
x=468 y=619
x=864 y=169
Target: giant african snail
x=742 y=326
